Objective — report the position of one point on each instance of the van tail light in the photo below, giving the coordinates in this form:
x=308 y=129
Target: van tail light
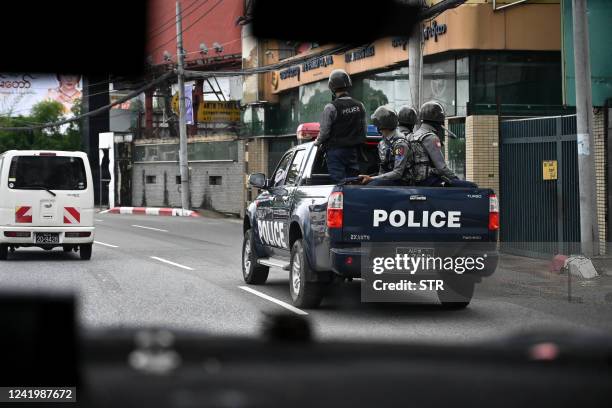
x=493 y=213
x=335 y=206
x=82 y=234
x=17 y=234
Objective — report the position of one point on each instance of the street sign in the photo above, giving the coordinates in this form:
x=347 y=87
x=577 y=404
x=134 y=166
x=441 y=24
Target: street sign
x=549 y=169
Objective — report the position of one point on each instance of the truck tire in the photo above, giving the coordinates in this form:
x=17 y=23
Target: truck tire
x=252 y=272
x=85 y=251
x=304 y=294
x=457 y=293
x=3 y=252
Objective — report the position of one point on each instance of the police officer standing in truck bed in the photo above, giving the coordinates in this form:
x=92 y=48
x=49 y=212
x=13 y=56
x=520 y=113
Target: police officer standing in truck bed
x=343 y=128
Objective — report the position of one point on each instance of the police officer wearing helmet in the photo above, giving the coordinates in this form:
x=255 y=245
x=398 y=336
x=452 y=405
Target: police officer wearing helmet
x=343 y=128
x=392 y=151
x=426 y=163
x=407 y=118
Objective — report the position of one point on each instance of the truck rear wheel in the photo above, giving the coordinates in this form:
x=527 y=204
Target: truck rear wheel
x=3 y=252
x=85 y=251
x=457 y=293
x=253 y=273
x=304 y=294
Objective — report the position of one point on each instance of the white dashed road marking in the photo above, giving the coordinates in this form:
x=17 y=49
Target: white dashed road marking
x=105 y=244
x=273 y=300
x=172 y=263
x=149 y=228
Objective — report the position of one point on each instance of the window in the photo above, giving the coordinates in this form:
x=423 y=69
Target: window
x=281 y=171
x=151 y=179
x=214 y=180
x=52 y=172
x=294 y=169
x=178 y=179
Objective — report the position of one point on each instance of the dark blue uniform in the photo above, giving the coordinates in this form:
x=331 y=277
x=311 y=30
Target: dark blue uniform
x=343 y=131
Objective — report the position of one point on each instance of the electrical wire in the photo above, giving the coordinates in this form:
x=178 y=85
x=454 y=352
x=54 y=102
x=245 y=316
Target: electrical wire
x=173 y=20
x=131 y=95
x=188 y=27
x=95 y=111
x=170 y=21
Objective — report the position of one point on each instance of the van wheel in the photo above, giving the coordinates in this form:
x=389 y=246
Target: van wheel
x=457 y=293
x=3 y=252
x=85 y=251
x=304 y=294
x=252 y=272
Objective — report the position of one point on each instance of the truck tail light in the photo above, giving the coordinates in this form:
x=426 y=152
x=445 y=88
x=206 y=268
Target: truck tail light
x=335 y=210
x=493 y=213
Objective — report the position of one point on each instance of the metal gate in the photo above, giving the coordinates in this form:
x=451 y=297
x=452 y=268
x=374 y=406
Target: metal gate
x=539 y=216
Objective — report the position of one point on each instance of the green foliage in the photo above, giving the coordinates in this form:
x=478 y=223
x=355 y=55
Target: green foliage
x=67 y=137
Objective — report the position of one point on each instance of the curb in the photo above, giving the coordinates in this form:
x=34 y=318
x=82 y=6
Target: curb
x=169 y=212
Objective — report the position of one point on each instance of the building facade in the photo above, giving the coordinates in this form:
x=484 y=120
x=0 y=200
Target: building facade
x=485 y=65
x=211 y=42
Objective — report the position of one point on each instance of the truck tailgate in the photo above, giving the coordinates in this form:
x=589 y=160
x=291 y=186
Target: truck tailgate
x=416 y=214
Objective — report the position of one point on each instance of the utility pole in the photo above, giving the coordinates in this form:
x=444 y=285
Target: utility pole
x=415 y=65
x=415 y=43
x=183 y=160
x=415 y=61
x=589 y=231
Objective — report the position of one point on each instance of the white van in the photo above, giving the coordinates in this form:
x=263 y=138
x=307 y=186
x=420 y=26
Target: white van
x=46 y=200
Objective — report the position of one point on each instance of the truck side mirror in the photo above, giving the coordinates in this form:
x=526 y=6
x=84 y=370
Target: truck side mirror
x=258 y=180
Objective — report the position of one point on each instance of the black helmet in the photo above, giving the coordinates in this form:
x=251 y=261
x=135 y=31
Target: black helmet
x=432 y=111
x=339 y=79
x=407 y=116
x=384 y=118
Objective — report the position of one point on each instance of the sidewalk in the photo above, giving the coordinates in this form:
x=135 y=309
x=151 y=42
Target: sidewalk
x=169 y=212
x=524 y=276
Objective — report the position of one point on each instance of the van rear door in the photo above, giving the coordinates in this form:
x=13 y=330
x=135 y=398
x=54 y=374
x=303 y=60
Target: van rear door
x=49 y=189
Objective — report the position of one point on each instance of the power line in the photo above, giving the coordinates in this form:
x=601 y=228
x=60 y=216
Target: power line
x=173 y=19
x=95 y=111
x=189 y=26
x=188 y=74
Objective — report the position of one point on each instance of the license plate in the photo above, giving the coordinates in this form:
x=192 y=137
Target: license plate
x=47 y=238
x=415 y=252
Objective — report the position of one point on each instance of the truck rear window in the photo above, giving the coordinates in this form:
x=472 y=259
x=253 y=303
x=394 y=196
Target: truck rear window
x=49 y=172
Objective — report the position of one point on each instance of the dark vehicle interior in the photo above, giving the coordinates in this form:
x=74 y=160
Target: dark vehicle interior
x=368 y=163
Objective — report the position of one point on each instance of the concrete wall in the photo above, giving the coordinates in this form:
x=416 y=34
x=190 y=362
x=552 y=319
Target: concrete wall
x=228 y=197
x=257 y=162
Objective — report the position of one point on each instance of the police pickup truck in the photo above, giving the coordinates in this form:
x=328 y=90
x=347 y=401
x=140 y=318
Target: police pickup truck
x=303 y=223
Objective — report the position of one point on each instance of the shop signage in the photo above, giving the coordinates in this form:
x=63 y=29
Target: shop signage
x=290 y=73
x=359 y=54
x=434 y=30
x=317 y=63
x=223 y=111
x=399 y=42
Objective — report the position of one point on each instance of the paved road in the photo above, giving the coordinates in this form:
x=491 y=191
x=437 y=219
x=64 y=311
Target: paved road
x=185 y=273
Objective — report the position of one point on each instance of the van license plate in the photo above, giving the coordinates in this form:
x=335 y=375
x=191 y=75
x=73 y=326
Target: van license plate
x=47 y=238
